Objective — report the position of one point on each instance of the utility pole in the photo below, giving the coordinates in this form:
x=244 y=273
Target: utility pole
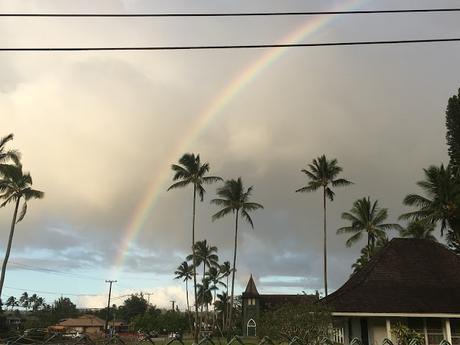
x=106 y=328
x=148 y=298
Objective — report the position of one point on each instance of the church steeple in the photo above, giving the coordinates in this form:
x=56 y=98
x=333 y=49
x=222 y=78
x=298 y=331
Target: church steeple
x=251 y=289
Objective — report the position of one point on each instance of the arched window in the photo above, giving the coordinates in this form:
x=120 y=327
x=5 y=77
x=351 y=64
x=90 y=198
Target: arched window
x=251 y=328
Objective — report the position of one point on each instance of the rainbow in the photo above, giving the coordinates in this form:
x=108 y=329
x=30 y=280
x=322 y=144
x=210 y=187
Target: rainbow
x=227 y=94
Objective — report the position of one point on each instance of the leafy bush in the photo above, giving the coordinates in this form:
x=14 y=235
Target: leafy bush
x=309 y=322
x=404 y=335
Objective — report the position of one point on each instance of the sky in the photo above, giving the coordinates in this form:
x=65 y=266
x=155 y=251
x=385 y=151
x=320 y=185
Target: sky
x=99 y=130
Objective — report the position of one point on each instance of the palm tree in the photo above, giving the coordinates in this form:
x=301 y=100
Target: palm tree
x=185 y=271
x=234 y=199
x=191 y=171
x=214 y=275
x=24 y=300
x=15 y=185
x=11 y=302
x=419 y=229
x=6 y=155
x=367 y=253
x=441 y=201
x=221 y=305
x=33 y=302
x=366 y=217
x=205 y=254
x=226 y=270
x=322 y=174
x=205 y=296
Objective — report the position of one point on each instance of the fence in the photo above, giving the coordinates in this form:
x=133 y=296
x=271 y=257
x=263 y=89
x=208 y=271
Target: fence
x=59 y=339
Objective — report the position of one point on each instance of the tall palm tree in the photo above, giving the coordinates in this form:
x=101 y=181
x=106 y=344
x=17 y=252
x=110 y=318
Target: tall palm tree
x=322 y=174
x=6 y=155
x=441 y=202
x=190 y=171
x=234 y=199
x=185 y=272
x=368 y=218
x=15 y=185
x=226 y=270
x=214 y=275
x=419 y=229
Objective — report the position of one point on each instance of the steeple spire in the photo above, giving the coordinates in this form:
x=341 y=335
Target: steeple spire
x=251 y=289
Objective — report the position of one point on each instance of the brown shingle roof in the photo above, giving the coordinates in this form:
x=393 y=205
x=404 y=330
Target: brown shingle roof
x=83 y=321
x=406 y=276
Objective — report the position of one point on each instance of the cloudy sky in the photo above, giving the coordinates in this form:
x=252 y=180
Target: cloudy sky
x=99 y=130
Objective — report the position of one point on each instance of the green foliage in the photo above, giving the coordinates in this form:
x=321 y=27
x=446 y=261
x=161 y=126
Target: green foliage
x=310 y=322
x=420 y=229
x=404 y=335
x=367 y=253
x=368 y=218
x=155 y=320
x=135 y=305
x=63 y=307
x=453 y=129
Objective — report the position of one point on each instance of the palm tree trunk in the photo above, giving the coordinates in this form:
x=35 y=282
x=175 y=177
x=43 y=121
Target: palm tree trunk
x=233 y=273
x=227 y=310
x=325 y=241
x=8 y=248
x=197 y=325
x=188 y=306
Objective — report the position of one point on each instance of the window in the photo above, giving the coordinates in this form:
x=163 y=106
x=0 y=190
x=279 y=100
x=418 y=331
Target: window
x=251 y=328
x=434 y=332
x=251 y=301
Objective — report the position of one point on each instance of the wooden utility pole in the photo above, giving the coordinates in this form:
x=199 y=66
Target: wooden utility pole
x=106 y=328
x=148 y=294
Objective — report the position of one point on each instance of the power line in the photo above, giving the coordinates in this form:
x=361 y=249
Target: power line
x=231 y=14
x=54 y=292
x=34 y=268
x=226 y=47
x=64 y=293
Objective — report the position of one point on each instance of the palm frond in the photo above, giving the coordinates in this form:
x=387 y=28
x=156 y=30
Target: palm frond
x=222 y=213
x=179 y=184
x=341 y=182
x=246 y=217
x=23 y=212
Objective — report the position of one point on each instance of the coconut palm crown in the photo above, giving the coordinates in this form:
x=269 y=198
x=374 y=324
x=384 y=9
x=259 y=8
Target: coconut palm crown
x=419 y=229
x=366 y=217
x=441 y=200
x=5 y=154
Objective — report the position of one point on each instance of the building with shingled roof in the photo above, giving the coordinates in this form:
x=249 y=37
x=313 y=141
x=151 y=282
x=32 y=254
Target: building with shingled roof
x=414 y=282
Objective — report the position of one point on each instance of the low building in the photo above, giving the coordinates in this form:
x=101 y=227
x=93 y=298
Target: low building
x=410 y=281
x=88 y=324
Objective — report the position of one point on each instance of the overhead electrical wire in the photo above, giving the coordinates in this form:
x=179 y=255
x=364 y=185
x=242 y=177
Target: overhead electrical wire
x=232 y=14
x=230 y=46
